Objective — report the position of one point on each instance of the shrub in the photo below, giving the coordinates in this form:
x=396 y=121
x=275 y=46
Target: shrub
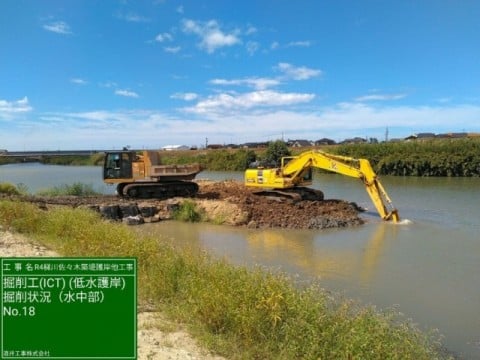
x=188 y=211
x=75 y=189
x=18 y=216
x=8 y=189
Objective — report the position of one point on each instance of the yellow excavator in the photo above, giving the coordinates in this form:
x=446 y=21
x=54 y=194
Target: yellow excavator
x=143 y=176
x=295 y=172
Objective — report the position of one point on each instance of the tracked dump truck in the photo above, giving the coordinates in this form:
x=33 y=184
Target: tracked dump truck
x=143 y=176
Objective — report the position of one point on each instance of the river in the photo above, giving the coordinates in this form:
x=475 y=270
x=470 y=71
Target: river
x=428 y=267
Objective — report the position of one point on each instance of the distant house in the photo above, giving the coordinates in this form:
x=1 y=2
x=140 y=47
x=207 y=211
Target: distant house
x=355 y=140
x=299 y=143
x=460 y=135
x=250 y=145
x=420 y=136
x=175 y=147
x=325 y=141
x=254 y=145
x=214 y=146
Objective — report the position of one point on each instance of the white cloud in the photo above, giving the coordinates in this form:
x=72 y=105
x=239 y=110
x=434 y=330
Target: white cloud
x=211 y=36
x=108 y=84
x=172 y=49
x=154 y=128
x=444 y=100
x=126 y=93
x=184 y=96
x=380 y=97
x=266 y=98
x=297 y=73
x=253 y=82
x=10 y=108
x=163 y=37
x=132 y=17
x=59 y=27
x=274 y=45
x=78 y=81
x=180 y=9
x=338 y=121
x=305 y=43
x=251 y=30
x=252 y=47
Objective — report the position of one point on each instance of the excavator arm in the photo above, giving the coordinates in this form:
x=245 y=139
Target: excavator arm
x=293 y=170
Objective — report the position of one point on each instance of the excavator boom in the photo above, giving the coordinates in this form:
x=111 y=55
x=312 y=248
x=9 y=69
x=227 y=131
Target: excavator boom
x=296 y=172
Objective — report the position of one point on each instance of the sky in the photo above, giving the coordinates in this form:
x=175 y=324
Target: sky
x=104 y=74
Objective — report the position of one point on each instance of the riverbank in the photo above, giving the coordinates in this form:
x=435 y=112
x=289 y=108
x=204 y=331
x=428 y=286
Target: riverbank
x=234 y=311
x=224 y=202
x=157 y=337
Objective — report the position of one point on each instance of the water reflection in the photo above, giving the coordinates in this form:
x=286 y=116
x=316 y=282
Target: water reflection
x=306 y=251
x=415 y=266
x=352 y=254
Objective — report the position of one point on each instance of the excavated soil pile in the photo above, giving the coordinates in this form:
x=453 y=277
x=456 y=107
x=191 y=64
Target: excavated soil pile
x=267 y=212
x=227 y=202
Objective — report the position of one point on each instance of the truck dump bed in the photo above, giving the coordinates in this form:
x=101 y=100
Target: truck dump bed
x=168 y=172
x=175 y=172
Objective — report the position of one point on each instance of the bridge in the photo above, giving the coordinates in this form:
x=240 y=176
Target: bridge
x=38 y=155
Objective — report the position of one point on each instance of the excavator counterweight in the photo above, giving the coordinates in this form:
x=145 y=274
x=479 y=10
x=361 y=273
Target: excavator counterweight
x=295 y=173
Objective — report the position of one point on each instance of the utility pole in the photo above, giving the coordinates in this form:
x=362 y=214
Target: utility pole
x=386 y=134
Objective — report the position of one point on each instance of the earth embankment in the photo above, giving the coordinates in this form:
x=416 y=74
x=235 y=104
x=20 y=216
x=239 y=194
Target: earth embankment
x=225 y=202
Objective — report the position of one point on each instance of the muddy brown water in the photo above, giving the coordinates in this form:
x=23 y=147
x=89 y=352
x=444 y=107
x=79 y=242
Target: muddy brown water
x=428 y=267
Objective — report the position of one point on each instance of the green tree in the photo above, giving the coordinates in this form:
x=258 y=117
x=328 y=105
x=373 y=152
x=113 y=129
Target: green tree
x=275 y=151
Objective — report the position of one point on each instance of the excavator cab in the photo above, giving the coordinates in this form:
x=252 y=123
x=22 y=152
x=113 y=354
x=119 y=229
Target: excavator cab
x=118 y=165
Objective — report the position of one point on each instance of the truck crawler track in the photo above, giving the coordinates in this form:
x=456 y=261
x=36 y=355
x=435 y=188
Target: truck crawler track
x=155 y=190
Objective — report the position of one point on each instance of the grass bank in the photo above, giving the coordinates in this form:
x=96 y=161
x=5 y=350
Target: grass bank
x=236 y=312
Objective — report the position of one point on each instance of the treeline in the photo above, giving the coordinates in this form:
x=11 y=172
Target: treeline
x=95 y=159
x=453 y=158
x=214 y=160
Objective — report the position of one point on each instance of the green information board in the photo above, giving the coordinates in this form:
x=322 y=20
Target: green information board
x=68 y=308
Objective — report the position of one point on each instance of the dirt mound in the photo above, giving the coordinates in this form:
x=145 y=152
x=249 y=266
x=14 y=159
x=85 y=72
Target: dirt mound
x=225 y=202
x=266 y=212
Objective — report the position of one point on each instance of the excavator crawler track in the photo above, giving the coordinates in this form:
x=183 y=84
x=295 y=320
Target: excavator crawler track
x=294 y=195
